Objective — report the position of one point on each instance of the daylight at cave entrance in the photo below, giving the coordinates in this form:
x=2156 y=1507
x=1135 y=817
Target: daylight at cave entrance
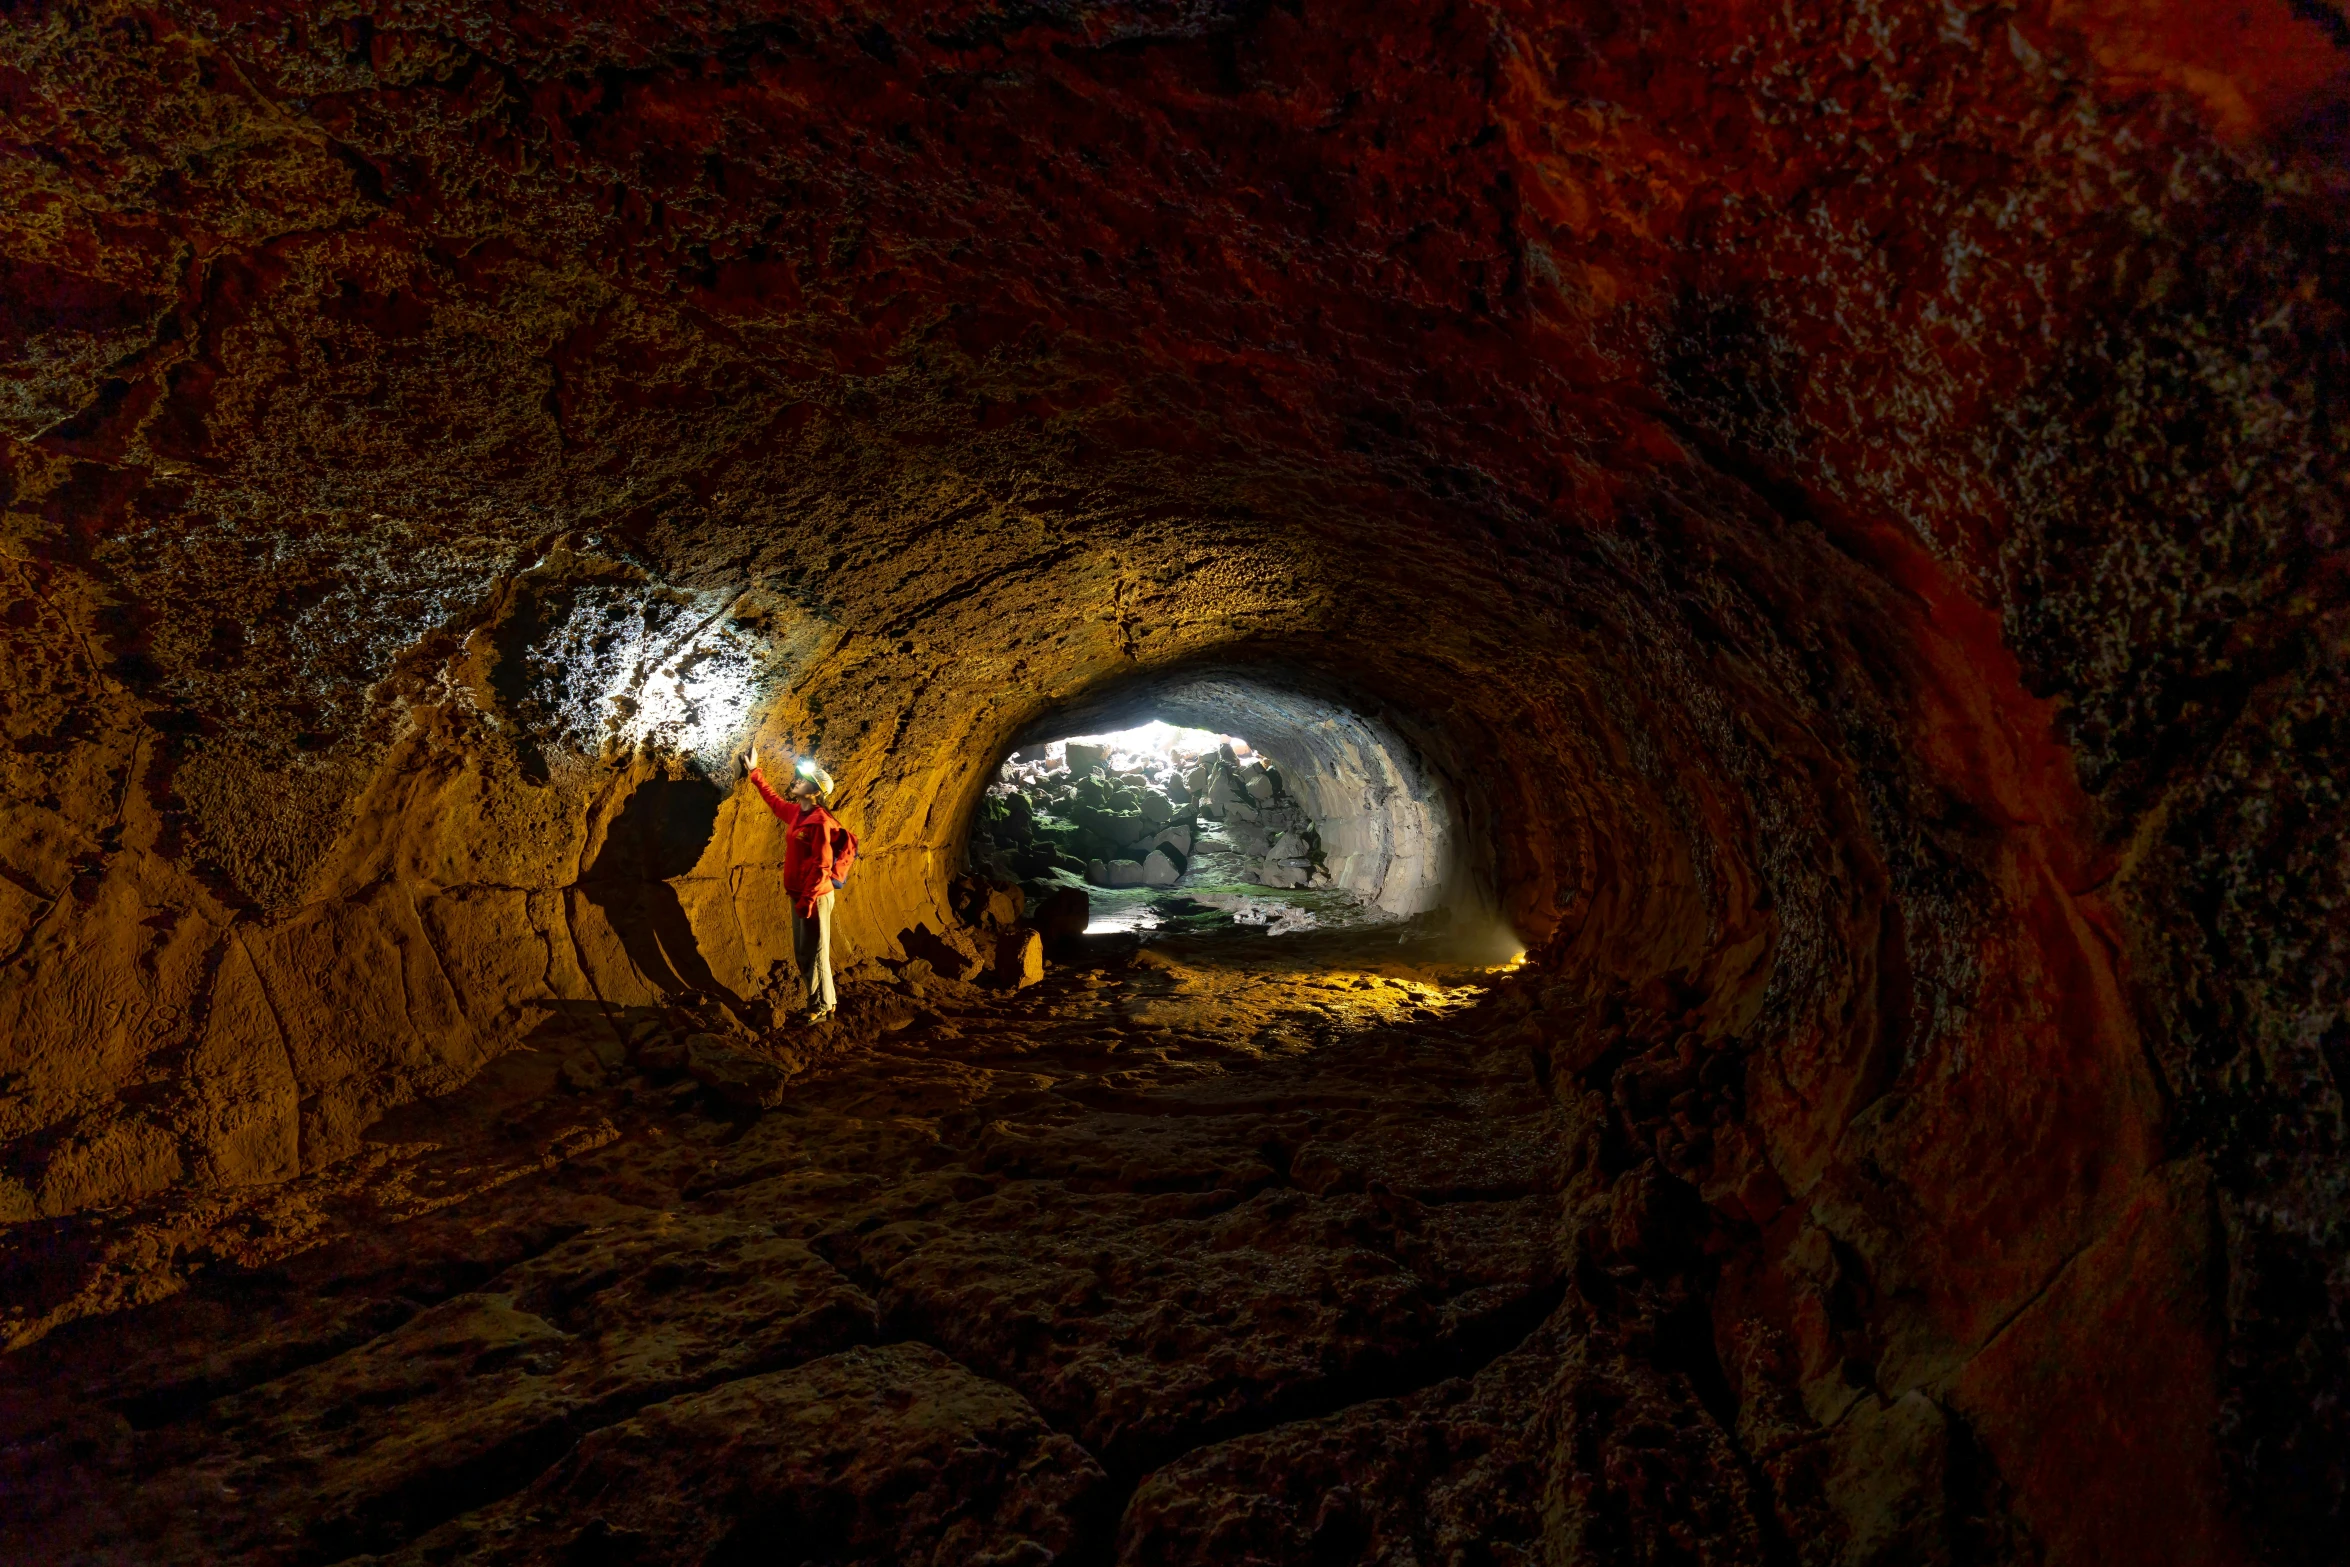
x=1577 y=771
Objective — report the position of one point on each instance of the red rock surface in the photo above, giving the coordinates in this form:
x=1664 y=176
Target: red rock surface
x=1848 y=496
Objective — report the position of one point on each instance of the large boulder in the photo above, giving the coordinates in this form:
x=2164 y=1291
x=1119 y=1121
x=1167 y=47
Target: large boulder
x=1083 y=759
x=1156 y=808
x=1019 y=958
x=1062 y=917
x=1064 y=836
x=1112 y=827
x=988 y=899
x=1261 y=790
x=1161 y=869
x=951 y=953
x=1178 y=834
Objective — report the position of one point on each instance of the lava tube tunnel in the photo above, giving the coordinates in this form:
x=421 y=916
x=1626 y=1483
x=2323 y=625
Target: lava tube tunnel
x=1154 y=783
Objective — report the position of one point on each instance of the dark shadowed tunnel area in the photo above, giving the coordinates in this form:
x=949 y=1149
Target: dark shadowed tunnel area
x=1782 y=577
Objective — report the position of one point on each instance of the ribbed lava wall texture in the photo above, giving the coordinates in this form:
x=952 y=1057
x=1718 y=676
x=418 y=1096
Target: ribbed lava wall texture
x=1855 y=490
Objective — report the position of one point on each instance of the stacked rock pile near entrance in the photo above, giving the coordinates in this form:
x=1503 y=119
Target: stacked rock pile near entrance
x=1083 y=815
x=1263 y=823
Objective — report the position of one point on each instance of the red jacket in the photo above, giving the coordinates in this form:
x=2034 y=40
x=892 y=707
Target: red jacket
x=817 y=849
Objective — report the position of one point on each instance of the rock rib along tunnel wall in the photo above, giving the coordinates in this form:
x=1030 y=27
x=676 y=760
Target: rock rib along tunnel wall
x=1863 y=481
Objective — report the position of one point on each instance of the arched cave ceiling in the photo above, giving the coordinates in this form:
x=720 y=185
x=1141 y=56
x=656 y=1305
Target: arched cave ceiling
x=1849 y=493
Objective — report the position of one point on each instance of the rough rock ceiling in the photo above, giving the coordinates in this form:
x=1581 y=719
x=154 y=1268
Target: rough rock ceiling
x=1861 y=485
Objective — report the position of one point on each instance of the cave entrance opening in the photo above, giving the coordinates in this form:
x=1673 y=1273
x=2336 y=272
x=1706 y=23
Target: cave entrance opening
x=1220 y=806
x=1161 y=824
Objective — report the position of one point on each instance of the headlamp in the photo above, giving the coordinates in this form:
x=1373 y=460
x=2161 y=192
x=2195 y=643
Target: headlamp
x=807 y=767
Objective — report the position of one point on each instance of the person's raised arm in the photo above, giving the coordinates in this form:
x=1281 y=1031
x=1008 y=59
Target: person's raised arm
x=788 y=811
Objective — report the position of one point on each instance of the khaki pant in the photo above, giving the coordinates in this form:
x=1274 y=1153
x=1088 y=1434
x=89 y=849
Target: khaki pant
x=811 y=945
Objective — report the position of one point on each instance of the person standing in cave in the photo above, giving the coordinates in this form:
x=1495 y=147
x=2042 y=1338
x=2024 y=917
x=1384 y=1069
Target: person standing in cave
x=817 y=854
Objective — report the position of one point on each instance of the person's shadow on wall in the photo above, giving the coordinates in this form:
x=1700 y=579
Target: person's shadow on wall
x=659 y=834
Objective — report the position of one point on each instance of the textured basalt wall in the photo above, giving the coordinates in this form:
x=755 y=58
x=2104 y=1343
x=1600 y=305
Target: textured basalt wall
x=1860 y=486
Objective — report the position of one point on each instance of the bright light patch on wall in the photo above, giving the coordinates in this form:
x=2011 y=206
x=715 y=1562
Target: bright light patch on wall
x=619 y=669
x=692 y=697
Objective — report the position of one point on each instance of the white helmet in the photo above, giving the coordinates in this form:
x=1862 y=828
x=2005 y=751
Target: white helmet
x=806 y=768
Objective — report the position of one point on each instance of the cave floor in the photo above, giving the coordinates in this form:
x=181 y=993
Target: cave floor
x=1228 y=1249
